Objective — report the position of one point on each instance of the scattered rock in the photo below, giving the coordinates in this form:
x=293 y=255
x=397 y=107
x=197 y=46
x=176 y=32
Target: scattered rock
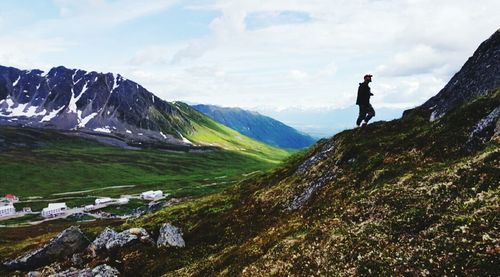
x=68 y=242
x=170 y=236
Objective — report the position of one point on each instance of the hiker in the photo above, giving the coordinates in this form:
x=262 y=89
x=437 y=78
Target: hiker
x=366 y=111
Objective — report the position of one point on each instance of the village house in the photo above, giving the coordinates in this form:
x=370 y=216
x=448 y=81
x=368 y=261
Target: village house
x=104 y=200
x=54 y=209
x=151 y=195
x=11 y=198
x=7 y=210
x=122 y=201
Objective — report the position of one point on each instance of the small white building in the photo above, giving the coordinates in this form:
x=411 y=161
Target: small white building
x=100 y=201
x=54 y=209
x=152 y=195
x=7 y=210
x=122 y=201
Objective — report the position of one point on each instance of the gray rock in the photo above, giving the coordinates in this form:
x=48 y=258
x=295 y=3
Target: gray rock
x=77 y=260
x=110 y=239
x=483 y=131
x=316 y=158
x=100 y=242
x=170 y=236
x=65 y=244
x=299 y=200
x=103 y=270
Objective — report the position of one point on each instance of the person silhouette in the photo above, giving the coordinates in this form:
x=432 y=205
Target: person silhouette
x=366 y=111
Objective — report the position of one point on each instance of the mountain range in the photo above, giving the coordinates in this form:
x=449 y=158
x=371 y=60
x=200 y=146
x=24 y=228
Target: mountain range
x=75 y=99
x=111 y=109
x=257 y=126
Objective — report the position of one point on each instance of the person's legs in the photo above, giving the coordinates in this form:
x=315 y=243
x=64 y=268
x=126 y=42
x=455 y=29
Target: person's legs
x=362 y=114
x=370 y=112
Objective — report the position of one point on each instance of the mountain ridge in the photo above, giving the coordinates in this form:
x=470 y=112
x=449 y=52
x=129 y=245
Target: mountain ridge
x=477 y=77
x=257 y=126
x=75 y=99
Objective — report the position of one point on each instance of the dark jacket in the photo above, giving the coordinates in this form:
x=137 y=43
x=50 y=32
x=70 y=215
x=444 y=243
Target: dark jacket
x=363 y=94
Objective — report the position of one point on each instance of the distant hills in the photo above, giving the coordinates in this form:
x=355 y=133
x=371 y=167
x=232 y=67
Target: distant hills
x=257 y=126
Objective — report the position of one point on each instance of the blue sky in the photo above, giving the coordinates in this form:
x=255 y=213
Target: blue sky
x=282 y=58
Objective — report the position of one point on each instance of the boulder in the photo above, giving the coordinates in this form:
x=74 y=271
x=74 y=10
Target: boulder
x=110 y=239
x=100 y=242
x=170 y=236
x=65 y=244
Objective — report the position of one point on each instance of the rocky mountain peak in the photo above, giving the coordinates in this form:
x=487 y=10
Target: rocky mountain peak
x=478 y=76
x=74 y=99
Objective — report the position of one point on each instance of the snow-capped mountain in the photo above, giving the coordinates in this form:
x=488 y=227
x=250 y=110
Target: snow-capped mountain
x=73 y=99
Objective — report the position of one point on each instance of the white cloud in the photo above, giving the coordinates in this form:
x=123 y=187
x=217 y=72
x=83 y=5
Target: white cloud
x=106 y=14
x=277 y=53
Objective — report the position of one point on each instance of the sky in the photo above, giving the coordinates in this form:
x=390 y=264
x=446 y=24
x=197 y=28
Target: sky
x=290 y=59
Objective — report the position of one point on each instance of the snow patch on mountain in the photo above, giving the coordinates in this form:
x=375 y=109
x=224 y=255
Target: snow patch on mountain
x=86 y=120
x=103 y=130
x=51 y=115
x=16 y=81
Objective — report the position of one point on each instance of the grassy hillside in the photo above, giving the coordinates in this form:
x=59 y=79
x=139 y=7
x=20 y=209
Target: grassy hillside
x=397 y=198
x=257 y=126
x=209 y=132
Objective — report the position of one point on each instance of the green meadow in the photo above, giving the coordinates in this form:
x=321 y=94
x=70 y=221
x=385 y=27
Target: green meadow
x=59 y=164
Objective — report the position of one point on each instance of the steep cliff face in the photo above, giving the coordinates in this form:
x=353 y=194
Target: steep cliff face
x=479 y=75
x=73 y=99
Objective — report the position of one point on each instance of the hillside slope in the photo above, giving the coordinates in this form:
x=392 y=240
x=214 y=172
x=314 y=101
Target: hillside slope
x=402 y=197
x=257 y=126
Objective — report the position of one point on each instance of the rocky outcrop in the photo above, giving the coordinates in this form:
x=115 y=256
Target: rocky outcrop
x=483 y=131
x=103 y=270
x=478 y=76
x=308 y=191
x=316 y=158
x=65 y=244
x=110 y=239
x=170 y=236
